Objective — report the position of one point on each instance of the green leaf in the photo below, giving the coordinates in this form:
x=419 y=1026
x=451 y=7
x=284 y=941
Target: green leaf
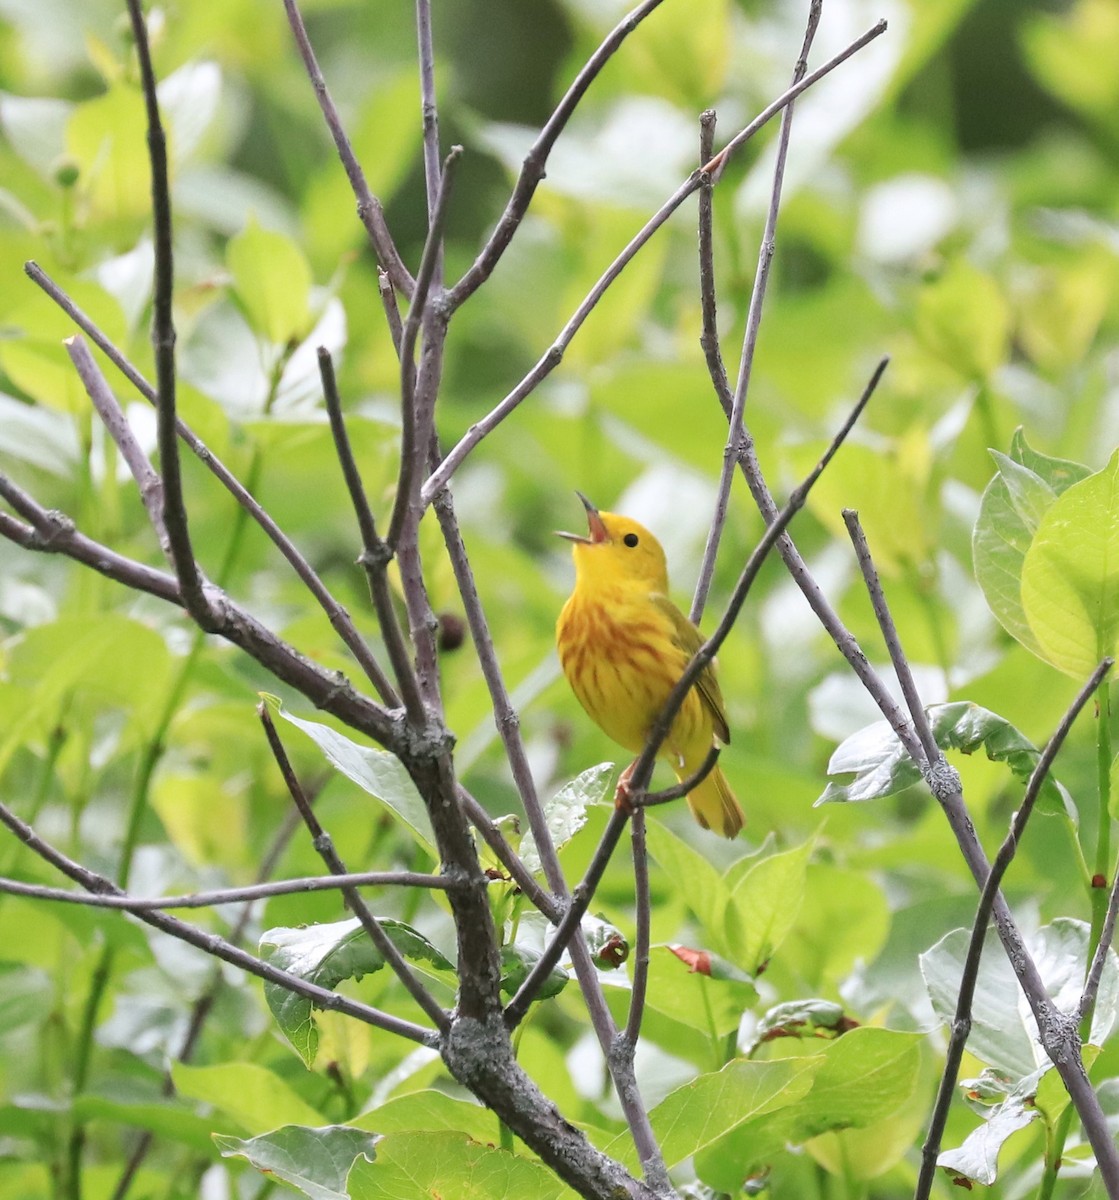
x=167 y=1119
x=1013 y=505
x=702 y=1001
x=863 y=1077
x=705 y=1110
x=882 y=766
x=566 y=812
x=1003 y=1034
x=765 y=908
x=812 y=1018
x=977 y=1158
x=707 y=893
x=272 y=280
x=256 y=1098
x=421 y=1166
x=1070 y=577
x=432 y=1111
x=964 y=320
x=517 y=961
x=314 y=1161
x=325 y=955
x=377 y=772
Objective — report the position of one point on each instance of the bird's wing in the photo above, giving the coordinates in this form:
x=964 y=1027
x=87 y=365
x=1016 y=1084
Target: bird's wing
x=688 y=638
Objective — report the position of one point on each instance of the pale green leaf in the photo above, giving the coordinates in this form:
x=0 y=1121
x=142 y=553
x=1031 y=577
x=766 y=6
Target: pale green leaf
x=566 y=811
x=254 y=1097
x=377 y=772
x=272 y=280
x=314 y=1161
x=1070 y=577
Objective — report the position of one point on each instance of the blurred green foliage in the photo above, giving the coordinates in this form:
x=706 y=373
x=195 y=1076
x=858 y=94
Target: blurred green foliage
x=950 y=201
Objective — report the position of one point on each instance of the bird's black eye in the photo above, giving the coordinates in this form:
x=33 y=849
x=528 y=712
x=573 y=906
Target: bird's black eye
x=630 y=539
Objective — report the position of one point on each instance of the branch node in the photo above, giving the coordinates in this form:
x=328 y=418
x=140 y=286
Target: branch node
x=943 y=779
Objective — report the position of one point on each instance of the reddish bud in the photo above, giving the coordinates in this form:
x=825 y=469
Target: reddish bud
x=1099 y=881
x=698 y=961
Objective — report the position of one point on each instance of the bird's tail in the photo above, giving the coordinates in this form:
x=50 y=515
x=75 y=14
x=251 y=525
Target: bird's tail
x=714 y=806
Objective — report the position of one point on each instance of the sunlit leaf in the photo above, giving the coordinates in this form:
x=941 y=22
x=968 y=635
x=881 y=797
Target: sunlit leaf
x=273 y=283
x=1070 y=582
x=1013 y=505
x=250 y=1095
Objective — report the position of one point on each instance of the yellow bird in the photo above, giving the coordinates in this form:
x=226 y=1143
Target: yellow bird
x=624 y=644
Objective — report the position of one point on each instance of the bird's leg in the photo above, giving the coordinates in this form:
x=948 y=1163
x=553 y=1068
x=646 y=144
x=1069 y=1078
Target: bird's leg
x=623 y=793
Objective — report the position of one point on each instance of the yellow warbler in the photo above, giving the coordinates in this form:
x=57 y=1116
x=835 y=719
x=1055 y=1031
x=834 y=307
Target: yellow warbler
x=624 y=644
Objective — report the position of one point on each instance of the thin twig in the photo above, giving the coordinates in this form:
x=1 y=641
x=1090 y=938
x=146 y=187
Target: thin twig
x=668 y=794
x=339 y=618
x=429 y=112
x=214 y=945
x=324 y=845
x=750 y=337
x=392 y=309
x=163 y=341
x=507 y=856
x=222 y=896
x=112 y=417
x=411 y=441
x=203 y=1005
x=375 y=555
x=1095 y=972
x=890 y=637
x=709 y=338
x=961 y=1022
x=643 y=921
x=535 y=161
x=369 y=209
x=504 y=714
x=552 y=357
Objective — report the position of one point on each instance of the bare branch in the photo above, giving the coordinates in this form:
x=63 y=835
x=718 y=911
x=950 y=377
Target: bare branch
x=369 y=209
x=532 y=169
x=413 y=442
x=324 y=845
x=643 y=766
x=890 y=636
x=961 y=1022
x=430 y=114
x=581 y=898
x=375 y=554
x=709 y=338
x=552 y=358
x=222 y=896
x=214 y=945
x=643 y=914
x=750 y=337
x=505 y=715
x=163 y=341
x=112 y=416
x=668 y=794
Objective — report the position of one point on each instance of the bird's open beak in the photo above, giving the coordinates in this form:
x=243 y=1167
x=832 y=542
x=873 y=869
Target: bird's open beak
x=595 y=527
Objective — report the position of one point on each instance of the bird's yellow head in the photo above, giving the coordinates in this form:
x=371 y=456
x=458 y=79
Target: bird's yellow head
x=616 y=551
